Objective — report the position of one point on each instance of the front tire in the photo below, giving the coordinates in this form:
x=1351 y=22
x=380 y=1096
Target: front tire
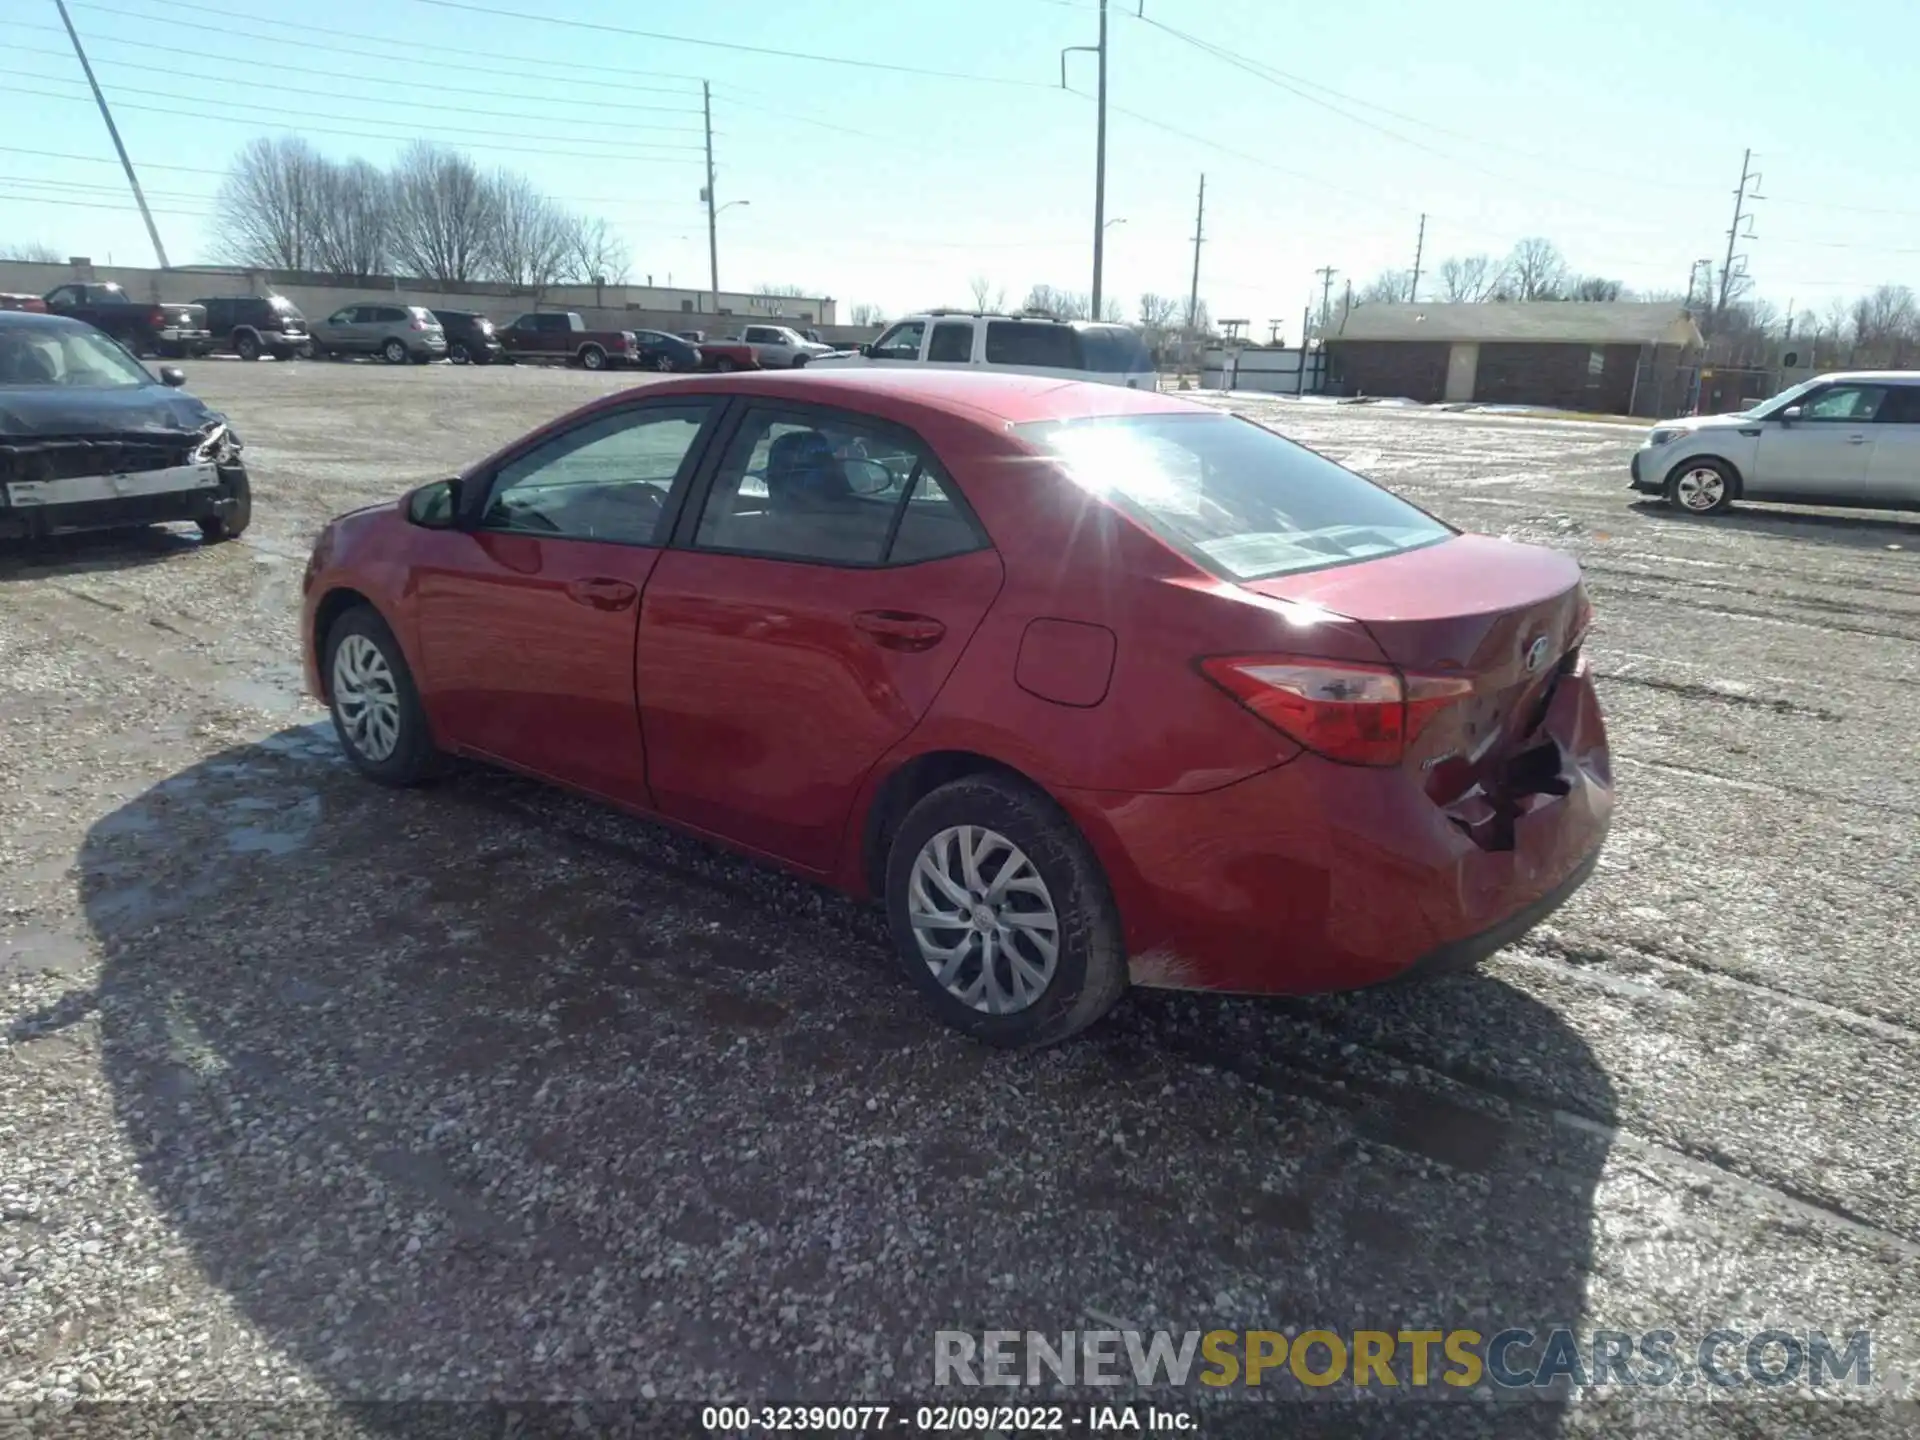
x=394 y=352
x=723 y=366
x=231 y=523
x=1701 y=487
x=376 y=709
x=1001 y=915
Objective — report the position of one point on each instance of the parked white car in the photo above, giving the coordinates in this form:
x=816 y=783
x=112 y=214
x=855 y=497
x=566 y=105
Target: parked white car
x=779 y=348
x=1848 y=439
x=1027 y=344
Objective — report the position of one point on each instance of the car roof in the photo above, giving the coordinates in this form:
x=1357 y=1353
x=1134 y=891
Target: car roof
x=1877 y=377
x=33 y=319
x=1009 y=397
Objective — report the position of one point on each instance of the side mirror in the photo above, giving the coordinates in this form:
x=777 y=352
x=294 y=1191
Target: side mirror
x=868 y=477
x=436 y=506
x=866 y=350
x=1790 y=414
x=172 y=375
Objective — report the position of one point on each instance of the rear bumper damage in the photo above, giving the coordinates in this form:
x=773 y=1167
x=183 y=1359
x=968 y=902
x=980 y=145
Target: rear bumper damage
x=49 y=485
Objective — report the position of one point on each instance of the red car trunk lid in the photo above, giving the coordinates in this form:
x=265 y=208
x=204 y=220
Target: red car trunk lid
x=1505 y=616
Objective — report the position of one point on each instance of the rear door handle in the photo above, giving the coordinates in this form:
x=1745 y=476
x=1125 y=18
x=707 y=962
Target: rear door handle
x=602 y=594
x=899 y=630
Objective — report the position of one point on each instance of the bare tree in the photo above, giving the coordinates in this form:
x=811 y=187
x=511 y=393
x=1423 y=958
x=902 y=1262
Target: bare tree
x=866 y=313
x=443 y=213
x=1886 y=325
x=1536 y=270
x=527 y=234
x=353 y=219
x=33 y=252
x=1388 y=287
x=594 y=253
x=987 y=296
x=1469 y=279
x=268 y=204
x=1158 y=312
x=781 y=292
x=1593 y=287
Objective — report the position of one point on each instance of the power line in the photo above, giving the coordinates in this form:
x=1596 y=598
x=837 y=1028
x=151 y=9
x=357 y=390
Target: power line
x=419 y=104
x=372 y=135
x=199 y=53
x=102 y=160
x=733 y=45
x=499 y=58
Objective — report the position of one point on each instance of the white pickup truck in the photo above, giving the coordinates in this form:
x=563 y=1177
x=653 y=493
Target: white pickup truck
x=780 y=348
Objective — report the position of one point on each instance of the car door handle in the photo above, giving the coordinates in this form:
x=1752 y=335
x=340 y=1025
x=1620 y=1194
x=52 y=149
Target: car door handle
x=602 y=594
x=898 y=630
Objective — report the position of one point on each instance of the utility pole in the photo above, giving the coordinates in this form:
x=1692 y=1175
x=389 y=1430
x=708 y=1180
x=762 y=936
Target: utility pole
x=1300 y=375
x=713 y=226
x=1748 y=177
x=139 y=198
x=1419 y=249
x=1199 y=231
x=1326 y=274
x=1099 y=152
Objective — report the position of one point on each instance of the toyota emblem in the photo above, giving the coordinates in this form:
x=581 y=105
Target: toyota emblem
x=1536 y=655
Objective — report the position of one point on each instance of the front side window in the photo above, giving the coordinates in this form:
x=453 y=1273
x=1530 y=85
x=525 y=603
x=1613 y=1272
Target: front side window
x=78 y=359
x=1844 y=402
x=832 y=488
x=1036 y=344
x=902 y=342
x=1232 y=496
x=608 y=479
x=952 y=342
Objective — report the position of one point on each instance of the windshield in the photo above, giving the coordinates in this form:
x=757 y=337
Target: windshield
x=78 y=359
x=1233 y=496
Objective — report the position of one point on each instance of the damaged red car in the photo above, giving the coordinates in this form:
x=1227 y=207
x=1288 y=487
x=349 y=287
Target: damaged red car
x=1089 y=687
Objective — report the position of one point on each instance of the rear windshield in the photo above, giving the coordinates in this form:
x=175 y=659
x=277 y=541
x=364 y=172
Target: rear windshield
x=1045 y=344
x=1114 y=349
x=282 y=305
x=420 y=312
x=1233 y=496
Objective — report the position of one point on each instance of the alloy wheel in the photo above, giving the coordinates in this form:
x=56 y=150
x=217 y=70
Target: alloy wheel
x=1701 y=488
x=366 y=697
x=983 y=919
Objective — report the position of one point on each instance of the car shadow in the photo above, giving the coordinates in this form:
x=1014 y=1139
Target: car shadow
x=1854 y=529
x=82 y=551
x=482 y=1091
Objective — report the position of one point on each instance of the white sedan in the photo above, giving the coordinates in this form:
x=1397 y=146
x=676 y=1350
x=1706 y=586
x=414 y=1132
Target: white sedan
x=1849 y=439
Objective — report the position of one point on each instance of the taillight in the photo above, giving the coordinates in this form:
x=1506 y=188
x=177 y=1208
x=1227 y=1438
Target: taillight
x=1359 y=714
x=417 y=323
x=157 y=318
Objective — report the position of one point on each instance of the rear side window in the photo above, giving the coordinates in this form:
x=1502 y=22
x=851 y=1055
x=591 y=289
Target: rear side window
x=952 y=342
x=1901 y=407
x=1232 y=496
x=1114 y=350
x=1039 y=343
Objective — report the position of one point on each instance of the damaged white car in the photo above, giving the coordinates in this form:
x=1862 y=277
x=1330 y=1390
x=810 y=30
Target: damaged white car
x=90 y=439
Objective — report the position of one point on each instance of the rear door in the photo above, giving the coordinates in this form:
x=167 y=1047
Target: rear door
x=1893 y=474
x=1826 y=453
x=810 y=610
x=527 y=618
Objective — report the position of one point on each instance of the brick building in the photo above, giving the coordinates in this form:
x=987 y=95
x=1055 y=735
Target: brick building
x=1619 y=357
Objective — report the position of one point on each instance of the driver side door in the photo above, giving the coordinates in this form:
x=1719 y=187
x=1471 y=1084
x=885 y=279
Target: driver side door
x=1826 y=453
x=527 y=614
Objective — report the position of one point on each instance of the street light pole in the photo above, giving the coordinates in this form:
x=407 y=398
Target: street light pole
x=713 y=230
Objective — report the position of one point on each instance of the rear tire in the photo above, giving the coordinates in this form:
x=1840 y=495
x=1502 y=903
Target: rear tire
x=376 y=710
x=592 y=357
x=1701 y=487
x=247 y=347
x=799 y=362
x=458 y=354
x=394 y=352
x=663 y=363
x=723 y=366
x=1053 y=886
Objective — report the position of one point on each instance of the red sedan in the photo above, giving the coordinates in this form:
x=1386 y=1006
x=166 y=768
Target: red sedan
x=1090 y=686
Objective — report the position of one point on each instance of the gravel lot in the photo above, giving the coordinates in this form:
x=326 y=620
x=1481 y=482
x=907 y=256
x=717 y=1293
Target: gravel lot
x=312 y=1091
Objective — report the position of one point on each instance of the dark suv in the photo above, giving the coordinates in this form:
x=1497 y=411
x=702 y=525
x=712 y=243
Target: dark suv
x=470 y=337
x=255 y=325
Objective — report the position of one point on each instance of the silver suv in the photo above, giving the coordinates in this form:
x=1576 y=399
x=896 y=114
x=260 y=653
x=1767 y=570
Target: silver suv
x=396 y=333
